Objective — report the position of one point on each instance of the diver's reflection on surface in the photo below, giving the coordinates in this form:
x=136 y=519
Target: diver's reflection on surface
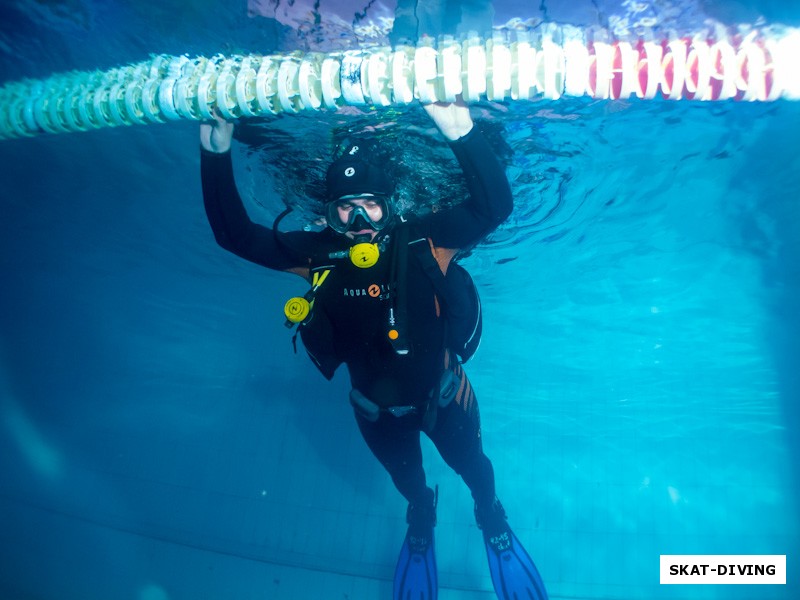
x=415 y=19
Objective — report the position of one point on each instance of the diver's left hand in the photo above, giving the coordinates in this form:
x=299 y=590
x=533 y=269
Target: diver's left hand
x=452 y=118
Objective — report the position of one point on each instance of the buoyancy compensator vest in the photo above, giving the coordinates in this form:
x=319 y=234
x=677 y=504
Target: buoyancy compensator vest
x=455 y=292
x=458 y=296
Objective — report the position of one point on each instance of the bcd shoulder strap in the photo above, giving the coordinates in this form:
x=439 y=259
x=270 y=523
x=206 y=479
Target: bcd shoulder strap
x=398 y=309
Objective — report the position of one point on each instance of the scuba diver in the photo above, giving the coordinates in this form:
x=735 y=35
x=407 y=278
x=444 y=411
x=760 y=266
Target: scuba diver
x=388 y=301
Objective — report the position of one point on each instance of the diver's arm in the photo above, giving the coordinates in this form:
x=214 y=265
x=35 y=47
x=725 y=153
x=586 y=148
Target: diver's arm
x=230 y=223
x=490 y=197
x=489 y=202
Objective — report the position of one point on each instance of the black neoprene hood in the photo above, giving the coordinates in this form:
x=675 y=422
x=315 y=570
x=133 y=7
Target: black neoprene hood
x=357 y=171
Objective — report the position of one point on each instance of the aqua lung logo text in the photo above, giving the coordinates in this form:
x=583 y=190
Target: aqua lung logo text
x=375 y=290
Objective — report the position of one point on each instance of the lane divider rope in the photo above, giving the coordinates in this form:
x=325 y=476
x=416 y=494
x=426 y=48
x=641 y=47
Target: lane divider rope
x=760 y=66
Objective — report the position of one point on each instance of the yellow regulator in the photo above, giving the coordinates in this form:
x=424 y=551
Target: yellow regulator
x=297 y=309
x=364 y=255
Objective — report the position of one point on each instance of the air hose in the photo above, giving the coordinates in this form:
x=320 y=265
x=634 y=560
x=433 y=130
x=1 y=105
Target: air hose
x=548 y=63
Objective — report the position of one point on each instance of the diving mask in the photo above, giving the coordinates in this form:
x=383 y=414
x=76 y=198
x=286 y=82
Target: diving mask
x=359 y=210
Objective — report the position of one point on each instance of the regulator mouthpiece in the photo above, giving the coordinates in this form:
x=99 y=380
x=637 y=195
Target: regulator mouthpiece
x=363 y=254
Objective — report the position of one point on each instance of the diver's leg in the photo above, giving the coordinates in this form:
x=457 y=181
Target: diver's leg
x=457 y=436
x=395 y=443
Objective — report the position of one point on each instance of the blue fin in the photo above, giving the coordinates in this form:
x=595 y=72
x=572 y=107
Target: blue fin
x=415 y=575
x=514 y=575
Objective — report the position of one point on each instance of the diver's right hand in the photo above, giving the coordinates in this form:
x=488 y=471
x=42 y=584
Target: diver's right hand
x=216 y=137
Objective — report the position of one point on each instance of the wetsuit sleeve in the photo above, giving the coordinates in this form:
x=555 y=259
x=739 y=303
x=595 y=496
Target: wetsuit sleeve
x=233 y=228
x=489 y=203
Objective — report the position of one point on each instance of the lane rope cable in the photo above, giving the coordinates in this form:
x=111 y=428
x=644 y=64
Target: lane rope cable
x=549 y=62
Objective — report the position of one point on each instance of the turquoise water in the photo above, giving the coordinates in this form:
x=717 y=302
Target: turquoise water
x=637 y=376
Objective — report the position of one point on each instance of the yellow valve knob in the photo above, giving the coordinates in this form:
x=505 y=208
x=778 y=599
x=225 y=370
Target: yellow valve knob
x=296 y=309
x=393 y=334
x=364 y=255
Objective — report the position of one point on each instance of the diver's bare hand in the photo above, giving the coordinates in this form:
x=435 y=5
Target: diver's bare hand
x=452 y=118
x=216 y=136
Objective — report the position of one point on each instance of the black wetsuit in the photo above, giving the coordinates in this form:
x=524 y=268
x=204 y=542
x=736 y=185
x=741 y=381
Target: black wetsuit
x=354 y=304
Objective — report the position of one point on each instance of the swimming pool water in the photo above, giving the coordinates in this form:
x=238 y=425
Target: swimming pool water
x=637 y=376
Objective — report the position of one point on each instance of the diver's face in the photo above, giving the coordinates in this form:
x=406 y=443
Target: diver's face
x=372 y=207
